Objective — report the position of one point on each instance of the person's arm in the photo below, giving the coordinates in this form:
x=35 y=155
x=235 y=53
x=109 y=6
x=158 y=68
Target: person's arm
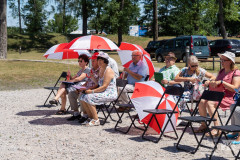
x=134 y=75
x=179 y=78
x=235 y=84
x=108 y=76
x=79 y=78
x=211 y=78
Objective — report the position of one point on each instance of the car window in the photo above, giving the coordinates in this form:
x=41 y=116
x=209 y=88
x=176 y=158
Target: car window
x=179 y=43
x=150 y=44
x=200 y=42
x=212 y=43
x=235 y=42
x=169 y=44
x=186 y=42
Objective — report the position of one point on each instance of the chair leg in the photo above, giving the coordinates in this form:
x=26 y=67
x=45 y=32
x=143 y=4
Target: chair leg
x=52 y=91
x=120 y=121
x=184 y=130
x=238 y=155
x=215 y=147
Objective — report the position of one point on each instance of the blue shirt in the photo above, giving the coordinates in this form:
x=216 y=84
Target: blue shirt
x=140 y=68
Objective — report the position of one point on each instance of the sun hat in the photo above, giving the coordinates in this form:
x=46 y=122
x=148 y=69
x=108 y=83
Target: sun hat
x=171 y=55
x=94 y=56
x=229 y=55
x=103 y=55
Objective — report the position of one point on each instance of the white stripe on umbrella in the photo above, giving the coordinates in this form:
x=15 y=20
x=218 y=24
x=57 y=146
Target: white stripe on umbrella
x=58 y=48
x=92 y=42
x=68 y=54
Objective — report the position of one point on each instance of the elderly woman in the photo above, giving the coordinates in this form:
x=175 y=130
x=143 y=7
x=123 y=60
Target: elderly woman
x=78 y=79
x=190 y=76
x=107 y=91
x=227 y=80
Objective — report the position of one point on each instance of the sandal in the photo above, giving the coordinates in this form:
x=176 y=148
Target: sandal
x=61 y=112
x=232 y=136
x=214 y=132
x=201 y=129
x=54 y=101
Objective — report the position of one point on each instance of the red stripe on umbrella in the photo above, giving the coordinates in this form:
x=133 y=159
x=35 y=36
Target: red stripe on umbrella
x=140 y=92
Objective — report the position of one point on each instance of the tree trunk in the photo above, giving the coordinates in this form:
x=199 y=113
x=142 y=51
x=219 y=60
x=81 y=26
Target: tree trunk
x=155 y=21
x=221 y=20
x=3 y=29
x=120 y=24
x=84 y=17
x=19 y=17
x=64 y=16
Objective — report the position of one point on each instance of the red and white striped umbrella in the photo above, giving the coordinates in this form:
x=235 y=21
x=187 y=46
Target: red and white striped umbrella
x=92 y=42
x=125 y=54
x=60 y=51
x=146 y=95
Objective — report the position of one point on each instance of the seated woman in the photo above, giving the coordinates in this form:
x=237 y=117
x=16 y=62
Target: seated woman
x=190 y=76
x=107 y=91
x=78 y=79
x=227 y=80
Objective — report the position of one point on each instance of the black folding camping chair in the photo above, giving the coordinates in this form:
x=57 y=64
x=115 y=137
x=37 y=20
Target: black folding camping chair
x=170 y=90
x=209 y=96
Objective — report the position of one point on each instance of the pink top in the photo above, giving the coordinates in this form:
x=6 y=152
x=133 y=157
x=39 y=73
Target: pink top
x=228 y=97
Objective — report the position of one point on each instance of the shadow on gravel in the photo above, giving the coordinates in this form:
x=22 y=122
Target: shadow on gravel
x=46 y=106
x=53 y=121
x=37 y=113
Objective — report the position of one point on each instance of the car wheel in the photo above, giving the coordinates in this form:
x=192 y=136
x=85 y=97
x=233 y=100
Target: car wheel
x=159 y=58
x=184 y=58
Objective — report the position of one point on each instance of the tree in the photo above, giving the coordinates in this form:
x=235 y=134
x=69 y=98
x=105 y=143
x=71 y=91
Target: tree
x=120 y=31
x=34 y=17
x=56 y=24
x=3 y=29
x=221 y=19
x=155 y=20
x=16 y=11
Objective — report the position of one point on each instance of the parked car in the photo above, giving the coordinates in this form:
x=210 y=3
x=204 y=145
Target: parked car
x=153 y=46
x=198 y=46
x=222 y=45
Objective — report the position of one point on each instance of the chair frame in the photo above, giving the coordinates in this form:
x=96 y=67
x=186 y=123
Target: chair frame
x=215 y=96
x=63 y=75
x=170 y=90
x=226 y=130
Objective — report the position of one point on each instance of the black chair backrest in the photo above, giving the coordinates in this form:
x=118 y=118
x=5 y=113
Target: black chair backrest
x=174 y=90
x=121 y=82
x=146 y=78
x=212 y=95
x=64 y=74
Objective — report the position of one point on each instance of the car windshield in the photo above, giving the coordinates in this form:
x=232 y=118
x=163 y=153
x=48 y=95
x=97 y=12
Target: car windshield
x=235 y=42
x=200 y=42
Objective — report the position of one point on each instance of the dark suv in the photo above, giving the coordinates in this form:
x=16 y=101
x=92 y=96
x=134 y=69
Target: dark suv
x=222 y=45
x=198 y=46
x=153 y=46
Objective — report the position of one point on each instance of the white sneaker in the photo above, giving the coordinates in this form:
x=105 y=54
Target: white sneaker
x=86 y=122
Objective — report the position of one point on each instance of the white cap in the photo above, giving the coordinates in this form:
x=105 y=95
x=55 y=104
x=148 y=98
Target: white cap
x=229 y=55
x=103 y=55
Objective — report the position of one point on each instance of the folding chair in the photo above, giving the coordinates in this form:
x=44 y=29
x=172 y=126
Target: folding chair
x=170 y=90
x=227 y=128
x=210 y=96
x=112 y=104
x=55 y=88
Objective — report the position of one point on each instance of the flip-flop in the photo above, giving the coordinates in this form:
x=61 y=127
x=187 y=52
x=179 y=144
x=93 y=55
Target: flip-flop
x=231 y=136
x=235 y=142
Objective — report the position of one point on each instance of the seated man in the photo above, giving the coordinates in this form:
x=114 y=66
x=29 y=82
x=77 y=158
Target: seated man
x=136 y=72
x=73 y=96
x=170 y=70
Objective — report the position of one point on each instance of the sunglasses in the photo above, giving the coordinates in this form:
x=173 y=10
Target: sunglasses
x=223 y=60
x=194 y=66
x=80 y=61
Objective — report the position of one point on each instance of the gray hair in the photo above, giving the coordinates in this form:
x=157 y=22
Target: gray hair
x=192 y=59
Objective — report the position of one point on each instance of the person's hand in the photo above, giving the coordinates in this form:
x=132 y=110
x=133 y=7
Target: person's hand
x=88 y=91
x=164 y=81
x=213 y=84
x=126 y=70
x=206 y=84
x=193 y=80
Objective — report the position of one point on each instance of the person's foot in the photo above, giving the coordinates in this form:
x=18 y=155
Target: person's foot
x=82 y=119
x=232 y=136
x=122 y=109
x=86 y=122
x=74 y=117
x=61 y=112
x=214 y=132
x=94 y=122
x=53 y=101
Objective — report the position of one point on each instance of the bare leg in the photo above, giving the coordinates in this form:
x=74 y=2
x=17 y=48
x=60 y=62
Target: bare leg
x=238 y=138
x=86 y=109
x=64 y=100
x=211 y=106
x=60 y=91
x=202 y=110
x=93 y=111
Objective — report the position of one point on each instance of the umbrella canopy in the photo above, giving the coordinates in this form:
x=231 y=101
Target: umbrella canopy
x=92 y=42
x=60 y=51
x=125 y=54
x=146 y=95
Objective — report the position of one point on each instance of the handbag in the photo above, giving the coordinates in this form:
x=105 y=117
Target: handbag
x=197 y=91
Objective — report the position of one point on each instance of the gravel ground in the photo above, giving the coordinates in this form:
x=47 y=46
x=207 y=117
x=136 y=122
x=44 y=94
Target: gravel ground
x=31 y=131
